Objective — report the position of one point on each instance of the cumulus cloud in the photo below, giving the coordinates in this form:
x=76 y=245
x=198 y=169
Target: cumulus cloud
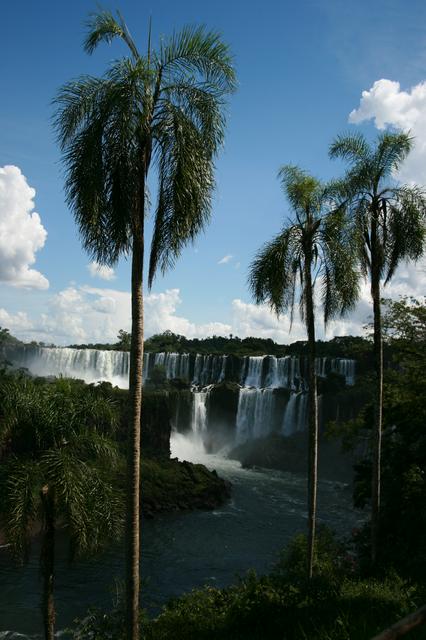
x=19 y=321
x=225 y=259
x=389 y=106
x=101 y=271
x=21 y=231
x=249 y=319
x=89 y=314
x=161 y=315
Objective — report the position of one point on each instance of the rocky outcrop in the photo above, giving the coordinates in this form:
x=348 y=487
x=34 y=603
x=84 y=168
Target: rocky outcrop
x=180 y=486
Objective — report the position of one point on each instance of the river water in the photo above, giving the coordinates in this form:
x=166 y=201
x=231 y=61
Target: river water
x=179 y=551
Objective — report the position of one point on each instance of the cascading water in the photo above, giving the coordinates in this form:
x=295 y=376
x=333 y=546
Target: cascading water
x=209 y=369
x=254 y=414
x=252 y=371
x=90 y=365
x=176 y=365
x=345 y=367
x=259 y=376
x=290 y=413
x=199 y=412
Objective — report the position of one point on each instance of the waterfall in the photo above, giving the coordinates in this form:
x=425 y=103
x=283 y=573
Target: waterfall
x=199 y=413
x=320 y=367
x=302 y=412
x=290 y=413
x=252 y=371
x=209 y=369
x=346 y=368
x=176 y=365
x=254 y=414
x=90 y=365
x=260 y=377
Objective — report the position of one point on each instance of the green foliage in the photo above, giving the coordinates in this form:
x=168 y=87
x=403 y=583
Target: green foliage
x=124 y=340
x=57 y=435
x=170 y=484
x=388 y=219
x=158 y=376
x=332 y=558
x=165 y=106
x=169 y=342
x=6 y=338
x=404 y=322
x=315 y=241
x=403 y=518
x=336 y=605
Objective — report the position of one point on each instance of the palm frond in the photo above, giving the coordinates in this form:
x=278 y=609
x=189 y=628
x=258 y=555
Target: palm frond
x=406 y=228
x=185 y=187
x=20 y=484
x=303 y=191
x=194 y=50
x=99 y=131
x=103 y=27
x=351 y=147
x=392 y=150
x=273 y=272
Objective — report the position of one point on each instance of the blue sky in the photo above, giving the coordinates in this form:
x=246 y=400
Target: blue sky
x=302 y=69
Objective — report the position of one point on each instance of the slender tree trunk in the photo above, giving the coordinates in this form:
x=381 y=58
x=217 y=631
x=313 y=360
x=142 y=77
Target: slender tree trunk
x=313 y=418
x=48 y=562
x=134 y=433
x=378 y=402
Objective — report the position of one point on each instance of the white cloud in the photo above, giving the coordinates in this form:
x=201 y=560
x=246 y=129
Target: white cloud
x=19 y=321
x=81 y=314
x=225 y=259
x=249 y=319
x=101 y=271
x=88 y=314
x=161 y=315
x=389 y=106
x=21 y=231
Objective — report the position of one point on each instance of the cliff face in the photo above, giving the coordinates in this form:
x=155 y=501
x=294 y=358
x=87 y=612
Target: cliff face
x=222 y=412
x=156 y=424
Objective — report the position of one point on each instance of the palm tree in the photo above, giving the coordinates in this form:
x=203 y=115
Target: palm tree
x=388 y=221
x=313 y=248
x=56 y=470
x=162 y=108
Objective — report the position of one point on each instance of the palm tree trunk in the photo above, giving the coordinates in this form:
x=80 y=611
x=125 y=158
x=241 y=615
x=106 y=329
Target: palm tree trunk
x=48 y=562
x=134 y=435
x=313 y=418
x=378 y=408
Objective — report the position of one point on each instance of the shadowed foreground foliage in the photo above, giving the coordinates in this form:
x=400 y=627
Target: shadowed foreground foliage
x=335 y=605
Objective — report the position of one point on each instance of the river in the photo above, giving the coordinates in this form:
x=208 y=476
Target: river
x=179 y=551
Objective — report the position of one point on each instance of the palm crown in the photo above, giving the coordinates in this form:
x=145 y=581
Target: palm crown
x=165 y=106
x=388 y=218
x=53 y=435
x=316 y=238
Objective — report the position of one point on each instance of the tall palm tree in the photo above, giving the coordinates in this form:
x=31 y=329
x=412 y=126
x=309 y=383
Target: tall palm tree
x=162 y=108
x=56 y=470
x=389 y=225
x=313 y=248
